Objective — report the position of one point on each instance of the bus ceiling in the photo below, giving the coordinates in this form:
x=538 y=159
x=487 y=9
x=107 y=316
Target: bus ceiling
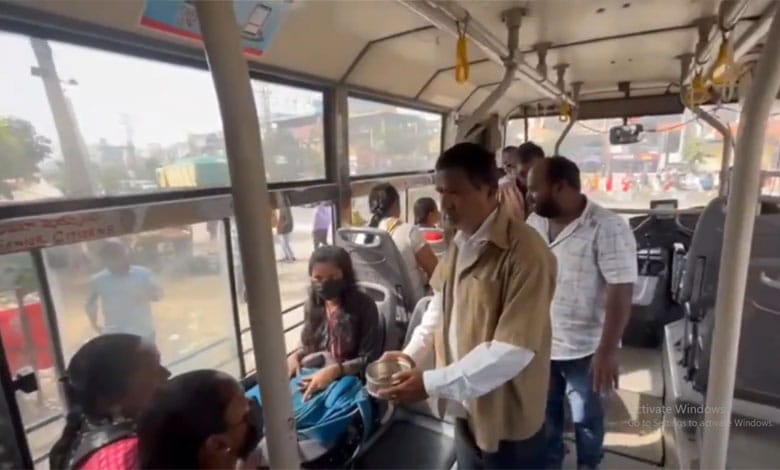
x=404 y=51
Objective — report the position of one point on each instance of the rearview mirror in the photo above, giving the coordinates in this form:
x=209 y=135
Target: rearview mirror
x=628 y=134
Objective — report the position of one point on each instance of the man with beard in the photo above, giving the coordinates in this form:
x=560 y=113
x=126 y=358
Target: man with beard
x=597 y=268
x=488 y=322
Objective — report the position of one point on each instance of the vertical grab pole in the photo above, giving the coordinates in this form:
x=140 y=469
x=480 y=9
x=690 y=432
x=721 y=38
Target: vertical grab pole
x=728 y=146
x=252 y=206
x=740 y=220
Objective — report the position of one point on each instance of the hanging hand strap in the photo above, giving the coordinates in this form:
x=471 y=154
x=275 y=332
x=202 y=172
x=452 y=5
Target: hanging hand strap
x=461 y=54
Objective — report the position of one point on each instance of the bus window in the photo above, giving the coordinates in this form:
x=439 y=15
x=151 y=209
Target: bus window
x=297 y=231
x=118 y=127
x=292 y=132
x=390 y=139
x=515 y=132
x=122 y=135
x=169 y=285
x=670 y=161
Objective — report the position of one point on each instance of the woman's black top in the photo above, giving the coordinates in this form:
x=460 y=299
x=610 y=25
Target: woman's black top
x=354 y=334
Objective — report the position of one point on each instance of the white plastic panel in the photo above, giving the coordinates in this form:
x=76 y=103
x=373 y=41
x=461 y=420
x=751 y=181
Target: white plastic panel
x=323 y=37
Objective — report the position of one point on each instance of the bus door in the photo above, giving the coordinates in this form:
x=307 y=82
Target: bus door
x=28 y=364
x=14 y=451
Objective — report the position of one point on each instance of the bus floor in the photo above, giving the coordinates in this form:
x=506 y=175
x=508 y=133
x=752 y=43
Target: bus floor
x=634 y=415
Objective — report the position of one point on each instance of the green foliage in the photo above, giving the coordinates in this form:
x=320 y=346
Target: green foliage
x=21 y=148
x=17 y=272
x=693 y=152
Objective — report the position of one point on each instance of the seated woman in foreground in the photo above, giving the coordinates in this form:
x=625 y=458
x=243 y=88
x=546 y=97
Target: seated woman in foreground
x=341 y=332
x=109 y=382
x=200 y=420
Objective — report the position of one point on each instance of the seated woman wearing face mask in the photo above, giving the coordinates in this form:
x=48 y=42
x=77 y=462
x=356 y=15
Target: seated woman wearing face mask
x=199 y=420
x=341 y=332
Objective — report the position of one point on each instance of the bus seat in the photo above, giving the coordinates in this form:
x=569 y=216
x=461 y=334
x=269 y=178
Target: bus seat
x=757 y=379
x=699 y=284
x=410 y=440
x=416 y=318
x=387 y=303
x=380 y=262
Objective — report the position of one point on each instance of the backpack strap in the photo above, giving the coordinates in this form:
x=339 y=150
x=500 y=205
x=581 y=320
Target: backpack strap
x=92 y=440
x=393 y=224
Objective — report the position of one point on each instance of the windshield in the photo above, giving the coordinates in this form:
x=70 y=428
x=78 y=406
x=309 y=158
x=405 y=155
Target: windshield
x=677 y=157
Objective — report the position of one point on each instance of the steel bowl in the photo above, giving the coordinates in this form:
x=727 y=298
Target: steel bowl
x=379 y=374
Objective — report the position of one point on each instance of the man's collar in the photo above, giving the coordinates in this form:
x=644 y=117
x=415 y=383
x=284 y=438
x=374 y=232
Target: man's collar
x=494 y=229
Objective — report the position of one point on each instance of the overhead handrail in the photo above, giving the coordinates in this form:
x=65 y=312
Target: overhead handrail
x=513 y=21
x=462 y=66
x=576 y=86
x=723 y=129
x=754 y=33
x=575 y=93
x=730 y=13
x=443 y=15
x=734 y=263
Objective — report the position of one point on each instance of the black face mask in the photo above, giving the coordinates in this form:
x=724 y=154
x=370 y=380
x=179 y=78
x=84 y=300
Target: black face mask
x=330 y=289
x=254 y=433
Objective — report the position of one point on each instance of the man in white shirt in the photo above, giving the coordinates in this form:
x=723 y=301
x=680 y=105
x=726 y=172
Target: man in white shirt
x=488 y=323
x=597 y=269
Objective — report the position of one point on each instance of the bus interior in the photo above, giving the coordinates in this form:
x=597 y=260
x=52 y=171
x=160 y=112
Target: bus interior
x=117 y=121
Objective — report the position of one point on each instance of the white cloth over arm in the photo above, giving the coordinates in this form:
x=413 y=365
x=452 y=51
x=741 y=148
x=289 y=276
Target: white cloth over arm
x=482 y=370
x=479 y=372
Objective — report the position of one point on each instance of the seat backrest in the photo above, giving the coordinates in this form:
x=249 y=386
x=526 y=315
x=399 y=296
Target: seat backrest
x=416 y=318
x=757 y=379
x=379 y=261
x=387 y=304
x=700 y=279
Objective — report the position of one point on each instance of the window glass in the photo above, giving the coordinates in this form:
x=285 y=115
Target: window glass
x=292 y=321
x=515 y=132
x=389 y=139
x=76 y=121
x=292 y=131
x=298 y=229
x=169 y=285
x=677 y=157
x=27 y=345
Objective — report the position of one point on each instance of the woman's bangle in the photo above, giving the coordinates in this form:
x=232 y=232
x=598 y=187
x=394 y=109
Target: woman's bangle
x=341 y=369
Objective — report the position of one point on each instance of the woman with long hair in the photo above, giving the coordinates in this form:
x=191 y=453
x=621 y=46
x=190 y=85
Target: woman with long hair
x=199 y=420
x=109 y=382
x=341 y=332
x=426 y=213
x=420 y=260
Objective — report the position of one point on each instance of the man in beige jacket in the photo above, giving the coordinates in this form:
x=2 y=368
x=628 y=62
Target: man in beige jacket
x=488 y=323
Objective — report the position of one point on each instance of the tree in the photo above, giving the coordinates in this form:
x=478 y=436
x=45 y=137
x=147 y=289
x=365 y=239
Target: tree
x=21 y=149
x=693 y=153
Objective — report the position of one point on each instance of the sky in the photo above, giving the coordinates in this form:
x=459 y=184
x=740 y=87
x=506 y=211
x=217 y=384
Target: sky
x=164 y=102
